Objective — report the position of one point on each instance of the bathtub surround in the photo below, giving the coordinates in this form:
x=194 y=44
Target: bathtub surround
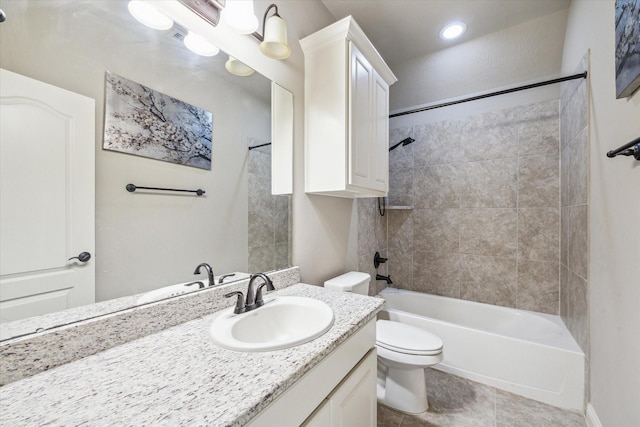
x=574 y=201
x=485 y=220
x=24 y=357
x=269 y=216
x=372 y=238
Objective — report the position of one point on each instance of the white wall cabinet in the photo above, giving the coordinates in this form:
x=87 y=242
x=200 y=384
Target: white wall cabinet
x=346 y=113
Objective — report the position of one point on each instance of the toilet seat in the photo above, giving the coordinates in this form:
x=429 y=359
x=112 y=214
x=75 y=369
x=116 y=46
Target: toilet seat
x=407 y=339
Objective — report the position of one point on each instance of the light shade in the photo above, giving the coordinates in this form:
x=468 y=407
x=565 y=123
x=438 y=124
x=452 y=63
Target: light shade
x=197 y=44
x=453 y=30
x=149 y=15
x=239 y=16
x=275 y=44
x=238 y=68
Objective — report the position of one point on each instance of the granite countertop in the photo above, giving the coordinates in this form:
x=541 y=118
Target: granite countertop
x=178 y=376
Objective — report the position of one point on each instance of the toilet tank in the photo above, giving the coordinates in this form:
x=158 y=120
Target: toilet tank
x=353 y=281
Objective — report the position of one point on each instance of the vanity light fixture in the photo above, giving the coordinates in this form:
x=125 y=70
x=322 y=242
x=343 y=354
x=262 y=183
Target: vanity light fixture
x=238 y=68
x=148 y=15
x=199 y=45
x=274 y=38
x=238 y=15
x=453 y=30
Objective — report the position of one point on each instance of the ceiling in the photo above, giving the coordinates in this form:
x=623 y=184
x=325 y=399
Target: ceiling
x=405 y=29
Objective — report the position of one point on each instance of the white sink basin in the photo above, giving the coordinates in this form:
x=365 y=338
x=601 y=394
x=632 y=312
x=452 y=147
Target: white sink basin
x=281 y=323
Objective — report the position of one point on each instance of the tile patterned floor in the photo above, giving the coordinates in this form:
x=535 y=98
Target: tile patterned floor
x=457 y=402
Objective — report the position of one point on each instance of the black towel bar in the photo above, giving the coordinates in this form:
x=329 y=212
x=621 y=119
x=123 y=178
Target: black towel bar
x=629 y=149
x=131 y=188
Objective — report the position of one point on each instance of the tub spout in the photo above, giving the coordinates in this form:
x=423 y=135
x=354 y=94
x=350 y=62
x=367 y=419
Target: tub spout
x=385 y=278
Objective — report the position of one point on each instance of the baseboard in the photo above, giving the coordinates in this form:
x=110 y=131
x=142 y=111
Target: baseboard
x=592 y=417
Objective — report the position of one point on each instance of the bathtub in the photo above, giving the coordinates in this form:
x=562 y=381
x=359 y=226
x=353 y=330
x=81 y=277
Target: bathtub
x=527 y=353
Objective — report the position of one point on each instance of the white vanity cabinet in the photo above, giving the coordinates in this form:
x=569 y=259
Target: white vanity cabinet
x=353 y=402
x=340 y=391
x=346 y=113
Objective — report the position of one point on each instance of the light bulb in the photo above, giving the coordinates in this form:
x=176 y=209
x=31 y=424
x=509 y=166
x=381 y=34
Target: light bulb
x=239 y=16
x=149 y=15
x=197 y=44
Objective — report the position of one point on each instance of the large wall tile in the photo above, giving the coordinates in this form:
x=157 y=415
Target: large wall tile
x=438 y=230
x=400 y=251
x=436 y=273
x=401 y=157
x=488 y=280
x=539 y=234
x=538 y=286
x=261 y=228
x=489 y=232
x=577 y=310
x=578 y=236
x=490 y=183
x=437 y=143
x=492 y=135
x=576 y=158
x=400 y=187
x=436 y=187
x=538 y=181
x=539 y=129
x=573 y=116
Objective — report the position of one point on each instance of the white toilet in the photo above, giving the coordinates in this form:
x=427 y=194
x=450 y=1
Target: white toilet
x=404 y=351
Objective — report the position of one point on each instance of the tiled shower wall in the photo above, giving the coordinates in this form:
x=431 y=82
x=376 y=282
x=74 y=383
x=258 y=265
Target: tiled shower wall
x=482 y=217
x=372 y=238
x=574 y=202
x=268 y=218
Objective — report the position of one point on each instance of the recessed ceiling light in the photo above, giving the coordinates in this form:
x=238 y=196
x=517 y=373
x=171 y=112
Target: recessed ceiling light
x=453 y=30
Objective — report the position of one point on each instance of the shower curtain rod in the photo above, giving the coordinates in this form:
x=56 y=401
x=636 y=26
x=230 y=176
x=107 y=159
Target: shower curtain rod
x=488 y=95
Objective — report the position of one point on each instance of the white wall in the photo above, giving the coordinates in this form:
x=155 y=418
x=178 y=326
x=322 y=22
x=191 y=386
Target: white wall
x=614 y=211
x=509 y=57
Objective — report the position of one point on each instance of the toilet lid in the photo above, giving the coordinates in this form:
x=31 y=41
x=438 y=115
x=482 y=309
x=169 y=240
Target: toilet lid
x=403 y=338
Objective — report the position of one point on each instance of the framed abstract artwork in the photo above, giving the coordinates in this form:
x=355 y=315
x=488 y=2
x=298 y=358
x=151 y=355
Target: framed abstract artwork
x=627 y=47
x=144 y=122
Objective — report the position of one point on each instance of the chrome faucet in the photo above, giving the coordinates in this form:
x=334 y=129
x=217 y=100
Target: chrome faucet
x=209 y=272
x=254 y=299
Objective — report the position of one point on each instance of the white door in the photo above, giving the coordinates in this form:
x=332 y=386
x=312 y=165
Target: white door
x=47 y=148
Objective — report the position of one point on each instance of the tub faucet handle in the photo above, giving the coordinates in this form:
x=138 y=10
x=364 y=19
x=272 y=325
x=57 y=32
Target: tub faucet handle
x=377 y=260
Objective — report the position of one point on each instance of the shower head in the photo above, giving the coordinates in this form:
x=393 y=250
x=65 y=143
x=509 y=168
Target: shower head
x=404 y=142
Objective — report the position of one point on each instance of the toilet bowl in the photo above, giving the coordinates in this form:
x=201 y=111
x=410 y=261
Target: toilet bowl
x=404 y=351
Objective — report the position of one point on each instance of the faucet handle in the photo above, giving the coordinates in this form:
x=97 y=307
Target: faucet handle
x=239 y=302
x=269 y=284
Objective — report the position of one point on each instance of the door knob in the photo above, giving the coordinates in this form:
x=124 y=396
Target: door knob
x=83 y=257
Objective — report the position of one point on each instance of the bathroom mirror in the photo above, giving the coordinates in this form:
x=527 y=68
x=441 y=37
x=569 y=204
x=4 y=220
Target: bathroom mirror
x=147 y=240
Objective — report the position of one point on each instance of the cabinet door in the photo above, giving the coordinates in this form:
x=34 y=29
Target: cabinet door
x=321 y=417
x=360 y=102
x=354 y=402
x=379 y=151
